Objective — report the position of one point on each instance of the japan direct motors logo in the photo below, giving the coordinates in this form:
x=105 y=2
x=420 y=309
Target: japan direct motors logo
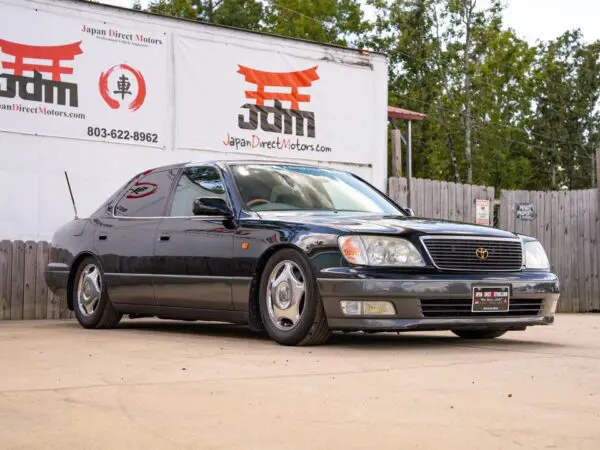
x=27 y=81
x=282 y=118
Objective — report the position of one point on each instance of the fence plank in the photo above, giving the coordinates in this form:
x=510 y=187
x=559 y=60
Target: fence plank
x=586 y=198
x=549 y=218
x=18 y=272
x=468 y=203
x=29 y=280
x=421 y=199
x=595 y=241
x=577 y=260
x=6 y=251
x=41 y=290
x=563 y=259
x=460 y=212
x=444 y=210
x=428 y=205
x=403 y=188
x=452 y=201
x=392 y=186
x=572 y=251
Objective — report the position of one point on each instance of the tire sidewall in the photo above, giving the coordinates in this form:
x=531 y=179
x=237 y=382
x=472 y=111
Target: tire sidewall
x=93 y=320
x=311 y=298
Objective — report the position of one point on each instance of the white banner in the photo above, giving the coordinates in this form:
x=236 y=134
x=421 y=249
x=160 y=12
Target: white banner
x=69 y=77
x=269 y=100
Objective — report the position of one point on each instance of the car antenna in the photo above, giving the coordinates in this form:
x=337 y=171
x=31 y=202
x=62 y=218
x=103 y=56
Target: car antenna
x=71 y=192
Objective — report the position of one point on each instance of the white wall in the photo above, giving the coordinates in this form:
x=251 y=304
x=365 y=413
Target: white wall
x=34 y=198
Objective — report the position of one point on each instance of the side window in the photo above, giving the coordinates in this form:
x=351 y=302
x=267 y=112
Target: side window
x=147 y=195
x=196 y=182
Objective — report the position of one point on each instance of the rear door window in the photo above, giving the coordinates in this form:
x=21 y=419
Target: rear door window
x=147 y=196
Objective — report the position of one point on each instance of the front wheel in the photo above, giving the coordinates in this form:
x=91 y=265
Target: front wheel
x=479 y=334
x=290 y=305
x=92 y=306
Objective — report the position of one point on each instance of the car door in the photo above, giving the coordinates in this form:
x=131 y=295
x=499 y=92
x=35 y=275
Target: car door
x=194 y=253
x=126 y=236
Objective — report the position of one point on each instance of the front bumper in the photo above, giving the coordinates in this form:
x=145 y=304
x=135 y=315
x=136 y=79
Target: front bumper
x=411 y=296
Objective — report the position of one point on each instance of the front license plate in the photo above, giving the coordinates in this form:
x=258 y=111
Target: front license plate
x=491 y=299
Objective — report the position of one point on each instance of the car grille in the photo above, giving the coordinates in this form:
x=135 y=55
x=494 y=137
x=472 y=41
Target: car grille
x=462 y=308
x=461 y=254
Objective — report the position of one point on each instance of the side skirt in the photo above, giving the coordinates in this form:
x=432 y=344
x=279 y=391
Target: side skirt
x=176 y=313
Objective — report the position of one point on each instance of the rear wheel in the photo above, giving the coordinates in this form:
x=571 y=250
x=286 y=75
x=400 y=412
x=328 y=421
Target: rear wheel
x=92 y=306
x=479 y=334
x=290 y=305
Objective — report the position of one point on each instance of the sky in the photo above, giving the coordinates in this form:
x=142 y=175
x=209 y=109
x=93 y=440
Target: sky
x=531 y=19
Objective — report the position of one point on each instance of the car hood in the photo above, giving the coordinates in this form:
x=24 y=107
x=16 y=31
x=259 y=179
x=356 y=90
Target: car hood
x=359 y=223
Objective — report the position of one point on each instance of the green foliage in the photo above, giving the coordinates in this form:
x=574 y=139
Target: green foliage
x=234 y=13
x=330 y=21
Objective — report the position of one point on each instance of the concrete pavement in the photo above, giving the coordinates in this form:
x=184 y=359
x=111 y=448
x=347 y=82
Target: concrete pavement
x=172 y=385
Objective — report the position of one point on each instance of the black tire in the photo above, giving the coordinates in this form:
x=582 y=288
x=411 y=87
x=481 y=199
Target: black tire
x=311 y=328
x=479 y=334
x=104 y=314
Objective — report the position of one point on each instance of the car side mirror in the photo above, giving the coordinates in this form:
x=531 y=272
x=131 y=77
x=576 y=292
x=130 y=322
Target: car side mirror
x=410 y=211
x=208 y=206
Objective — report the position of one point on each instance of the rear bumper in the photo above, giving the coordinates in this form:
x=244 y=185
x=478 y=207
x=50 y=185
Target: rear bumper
x=57 y=278
x=411 y=295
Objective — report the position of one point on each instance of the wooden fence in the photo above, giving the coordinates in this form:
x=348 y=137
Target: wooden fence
x=23 y=290
x=441 y=199
x=567 y=224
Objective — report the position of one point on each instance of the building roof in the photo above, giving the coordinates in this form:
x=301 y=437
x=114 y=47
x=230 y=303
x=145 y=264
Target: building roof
x=404 y=114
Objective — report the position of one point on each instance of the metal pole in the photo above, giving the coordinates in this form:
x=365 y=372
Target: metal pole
x=409 y=165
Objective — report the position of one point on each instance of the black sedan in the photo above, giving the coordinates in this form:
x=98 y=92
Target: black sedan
x=297 y=251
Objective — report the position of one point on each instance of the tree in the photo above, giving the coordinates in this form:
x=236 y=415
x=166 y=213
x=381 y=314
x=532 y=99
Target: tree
x=330 y=21
x=566 y=121
x=245 y=14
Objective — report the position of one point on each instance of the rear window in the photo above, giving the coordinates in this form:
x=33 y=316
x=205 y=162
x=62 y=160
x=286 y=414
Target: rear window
x=147 y=195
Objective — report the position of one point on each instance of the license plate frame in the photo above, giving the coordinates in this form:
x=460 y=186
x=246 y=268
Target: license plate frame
x=490 y=299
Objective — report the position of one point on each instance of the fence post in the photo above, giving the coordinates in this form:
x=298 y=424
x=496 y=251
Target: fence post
x=396 y=153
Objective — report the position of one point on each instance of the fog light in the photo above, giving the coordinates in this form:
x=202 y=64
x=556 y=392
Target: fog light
x=367 y=308
x=351 y=308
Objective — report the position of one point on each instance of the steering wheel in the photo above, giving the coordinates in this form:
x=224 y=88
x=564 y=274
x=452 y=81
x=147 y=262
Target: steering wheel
x=257 y=201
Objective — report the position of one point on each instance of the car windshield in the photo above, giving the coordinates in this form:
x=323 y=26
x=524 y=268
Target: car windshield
x=266 y=187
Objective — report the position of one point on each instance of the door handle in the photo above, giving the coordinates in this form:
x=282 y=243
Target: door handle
x=165 y=237
x=102 y=237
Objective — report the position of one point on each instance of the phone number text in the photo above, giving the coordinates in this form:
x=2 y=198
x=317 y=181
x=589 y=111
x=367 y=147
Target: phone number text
x=122 y=135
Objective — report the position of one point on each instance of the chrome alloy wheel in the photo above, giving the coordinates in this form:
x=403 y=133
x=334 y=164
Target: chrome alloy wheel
x=89 y=290
x=285 y=295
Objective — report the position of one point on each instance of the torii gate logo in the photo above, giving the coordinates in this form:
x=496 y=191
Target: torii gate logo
x=36 y=88
x=292 y=80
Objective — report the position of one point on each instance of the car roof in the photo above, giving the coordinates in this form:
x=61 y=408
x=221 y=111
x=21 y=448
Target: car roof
x=250 y=161
x=226 y=162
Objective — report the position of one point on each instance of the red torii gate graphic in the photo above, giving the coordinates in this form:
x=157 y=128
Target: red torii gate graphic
x=293 y=80
x=55 y=53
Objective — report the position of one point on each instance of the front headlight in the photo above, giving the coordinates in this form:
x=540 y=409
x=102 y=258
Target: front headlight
x=380 y=251
x=535 y=256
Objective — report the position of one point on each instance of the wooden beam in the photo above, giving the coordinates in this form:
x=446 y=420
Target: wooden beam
x=396 y=153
